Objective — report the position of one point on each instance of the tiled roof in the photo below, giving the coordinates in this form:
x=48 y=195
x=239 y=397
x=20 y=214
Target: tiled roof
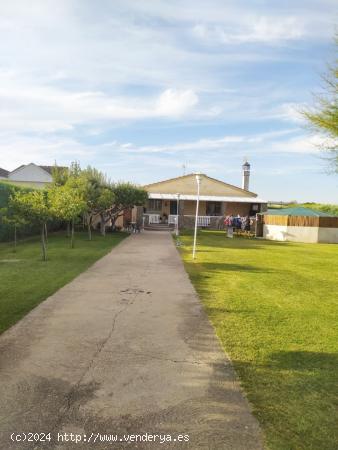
x=49 y=169
x=3 y=173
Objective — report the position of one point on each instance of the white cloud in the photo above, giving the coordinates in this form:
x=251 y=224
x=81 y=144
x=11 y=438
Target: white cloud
x=292 y=112
x=27 y=107
x=45 y=150
x=299 y=144
x=40 y=150
x=176 y=103
x=267 y=30
x=282 y=141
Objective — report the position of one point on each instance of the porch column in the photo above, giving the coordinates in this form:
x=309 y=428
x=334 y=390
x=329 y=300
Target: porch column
x=223 y=208
x=180 y=214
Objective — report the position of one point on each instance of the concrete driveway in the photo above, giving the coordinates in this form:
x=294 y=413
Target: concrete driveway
x=125 y=349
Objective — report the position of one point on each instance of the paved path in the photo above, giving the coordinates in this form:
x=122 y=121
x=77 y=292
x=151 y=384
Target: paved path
x=124 y=348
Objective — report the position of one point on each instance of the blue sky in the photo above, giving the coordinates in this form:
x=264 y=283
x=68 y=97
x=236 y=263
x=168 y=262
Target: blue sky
x=140 y=88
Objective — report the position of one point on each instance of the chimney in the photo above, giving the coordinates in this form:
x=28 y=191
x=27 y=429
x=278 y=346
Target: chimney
x=246 y=176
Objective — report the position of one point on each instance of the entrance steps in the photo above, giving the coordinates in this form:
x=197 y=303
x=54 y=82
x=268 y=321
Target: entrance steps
x=159 y=227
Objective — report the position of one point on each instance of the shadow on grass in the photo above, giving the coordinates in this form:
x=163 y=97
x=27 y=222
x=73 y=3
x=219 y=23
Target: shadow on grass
x=228 y=267
x=220 y=240
x=242 y=243
x=294 y=394
x=311 y=361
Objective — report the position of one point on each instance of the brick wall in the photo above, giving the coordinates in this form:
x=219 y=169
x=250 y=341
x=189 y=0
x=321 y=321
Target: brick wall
x=243 y=209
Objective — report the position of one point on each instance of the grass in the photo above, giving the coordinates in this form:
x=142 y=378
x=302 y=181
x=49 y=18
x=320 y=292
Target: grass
x=26 y=280
x=274 y=307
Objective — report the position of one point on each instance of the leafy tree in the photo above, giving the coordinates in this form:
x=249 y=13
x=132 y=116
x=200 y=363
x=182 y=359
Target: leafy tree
x=104 y=203
x=323 y=118
x=72 y=179
x=34 y=207
x=60 y=175
x=68 y=204
x=98 y=196
x=11 y=217
x=127 y=195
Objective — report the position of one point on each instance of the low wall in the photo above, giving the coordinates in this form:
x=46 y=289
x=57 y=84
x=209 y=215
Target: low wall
x=300 y=234
x=329 y=235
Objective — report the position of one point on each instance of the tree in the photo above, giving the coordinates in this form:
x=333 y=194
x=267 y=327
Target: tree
x=98 y=196
x=72 y=181
x=34 y=207
x=13 y=218
x=126 y=196
x=323 y=118
x=60 y=175
x=66 y=203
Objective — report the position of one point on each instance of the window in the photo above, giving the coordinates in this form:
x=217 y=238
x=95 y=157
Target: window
x=155 y=205
x=214 y=209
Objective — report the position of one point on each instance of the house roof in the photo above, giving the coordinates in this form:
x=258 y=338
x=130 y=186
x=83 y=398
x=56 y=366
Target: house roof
x=208 y=198
x=48 y=169
x=186 y=186
x=4 y=173
x=18 y=168
x=296 y=211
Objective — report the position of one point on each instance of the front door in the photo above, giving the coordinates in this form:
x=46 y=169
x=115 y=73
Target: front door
x=173 y=207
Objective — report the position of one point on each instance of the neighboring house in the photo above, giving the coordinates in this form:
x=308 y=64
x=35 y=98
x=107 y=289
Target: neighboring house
x=3 y=174
x=216 y=199
x=30 y=175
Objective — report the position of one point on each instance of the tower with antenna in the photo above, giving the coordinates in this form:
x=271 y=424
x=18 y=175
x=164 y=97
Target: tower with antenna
x=245 y=175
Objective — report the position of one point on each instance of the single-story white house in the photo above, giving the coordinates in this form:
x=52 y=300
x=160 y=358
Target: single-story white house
x=30 y=175
x=3 y=174
x=175 y=199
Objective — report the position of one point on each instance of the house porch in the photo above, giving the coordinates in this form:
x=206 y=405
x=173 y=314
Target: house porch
x=210 y=214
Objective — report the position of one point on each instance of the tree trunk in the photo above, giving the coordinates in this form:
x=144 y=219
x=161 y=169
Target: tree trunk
x=103 y=225
x=15 y=238
x=89 y=228
x=72 y=235
x=46 y=232
x=68 y=229
x=43 y=243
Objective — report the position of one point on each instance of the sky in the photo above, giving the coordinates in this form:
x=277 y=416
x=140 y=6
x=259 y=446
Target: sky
x=151 y=89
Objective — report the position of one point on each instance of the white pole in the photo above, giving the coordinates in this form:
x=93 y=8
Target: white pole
x=198 y=181
x=178 y=199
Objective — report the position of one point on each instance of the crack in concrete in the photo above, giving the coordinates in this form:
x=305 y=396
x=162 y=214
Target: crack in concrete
x=172 y=360
x=75 y=388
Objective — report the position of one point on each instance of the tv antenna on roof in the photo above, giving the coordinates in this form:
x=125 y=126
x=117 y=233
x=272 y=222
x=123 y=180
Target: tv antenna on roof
x=183 y=168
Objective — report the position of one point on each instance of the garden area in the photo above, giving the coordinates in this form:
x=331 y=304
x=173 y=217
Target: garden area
x=274 y=307
x=26 y=280
x=50 y=235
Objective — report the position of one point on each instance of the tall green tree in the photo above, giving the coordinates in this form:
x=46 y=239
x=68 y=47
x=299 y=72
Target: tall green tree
x=323 y=117
x=67 y=203
x=34 y=207
x=126 y=196
x=13 y=218
x=60 y=175
x=98 y=196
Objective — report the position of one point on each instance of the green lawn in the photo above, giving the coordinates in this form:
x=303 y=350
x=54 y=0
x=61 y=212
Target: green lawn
x=25 y=280
x=275 y=310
